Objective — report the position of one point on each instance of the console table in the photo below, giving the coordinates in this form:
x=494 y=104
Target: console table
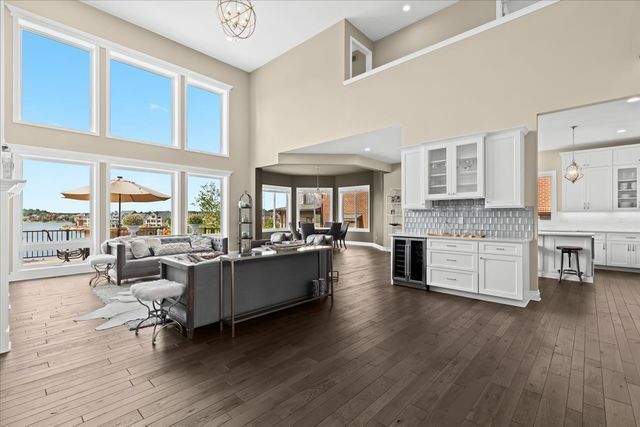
x=269 y=281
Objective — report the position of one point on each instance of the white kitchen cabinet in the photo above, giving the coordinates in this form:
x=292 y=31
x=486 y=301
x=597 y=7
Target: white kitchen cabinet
x=623 y=250
x=625 y=187
x=600 y=252
x=455 y=169
x=500 y=276
x=627 y=155
x=590 y=193
x=504 y=169
x=589 y=158
x=457 y=280
x=412 y=173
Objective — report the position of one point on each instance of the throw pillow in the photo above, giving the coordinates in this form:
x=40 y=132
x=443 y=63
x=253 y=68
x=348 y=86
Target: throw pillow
x=173 y=249
x=153 y=242
x=316 y=239
x=201 y=243
x=277 y=238
x=139 y=248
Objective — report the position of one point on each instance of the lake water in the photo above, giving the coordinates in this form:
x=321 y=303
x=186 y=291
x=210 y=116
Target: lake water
x=36 y=226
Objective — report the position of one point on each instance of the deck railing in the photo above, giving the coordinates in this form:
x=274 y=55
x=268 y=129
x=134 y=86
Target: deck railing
x=45 y=236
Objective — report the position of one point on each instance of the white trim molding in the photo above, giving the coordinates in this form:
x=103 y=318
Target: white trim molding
x=368 y=244
x=275 y=189
x=355 y=188
x=356 y=46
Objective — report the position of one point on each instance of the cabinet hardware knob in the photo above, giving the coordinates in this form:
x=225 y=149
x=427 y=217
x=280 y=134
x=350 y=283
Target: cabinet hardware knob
x=500 y=249
x=452 y=279
x=452 y=260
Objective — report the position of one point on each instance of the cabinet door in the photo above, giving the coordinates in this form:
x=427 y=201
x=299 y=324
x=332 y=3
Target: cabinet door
x=504 y=170
x=417 y=252
x=598 y=181
x=635 y=256
x=625 y=187
x=574 y=197
x=413 y=178
x=618 y=254
x=500 y=276
x=399 y=259
x=627 y=155
x=467 y=168
x=437 y=173
x=600 y=252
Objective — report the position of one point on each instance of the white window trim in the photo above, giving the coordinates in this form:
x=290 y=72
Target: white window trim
x=341 y=191
x=19 y=270
x=154 y=67
x=554 y=192
x=215 y=87
x=276 y=189
x=356 y=45
x=224 y=198
x=64 y=36
x=322 y=189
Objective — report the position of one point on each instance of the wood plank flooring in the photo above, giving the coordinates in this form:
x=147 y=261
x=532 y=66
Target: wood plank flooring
x=383 y=355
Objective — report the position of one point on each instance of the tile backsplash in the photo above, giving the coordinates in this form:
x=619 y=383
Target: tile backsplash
x=470 y=216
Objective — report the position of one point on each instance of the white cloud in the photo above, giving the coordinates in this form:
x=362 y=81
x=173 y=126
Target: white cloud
x=156 y=107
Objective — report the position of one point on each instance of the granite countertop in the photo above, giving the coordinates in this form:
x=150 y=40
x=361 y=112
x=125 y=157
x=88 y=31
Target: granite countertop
x=565 y=233
x=478 y=239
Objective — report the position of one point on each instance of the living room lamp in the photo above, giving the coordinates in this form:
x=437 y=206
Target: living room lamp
x=573 y=172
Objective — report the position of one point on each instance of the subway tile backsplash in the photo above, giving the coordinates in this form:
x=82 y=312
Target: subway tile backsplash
x=445 y=216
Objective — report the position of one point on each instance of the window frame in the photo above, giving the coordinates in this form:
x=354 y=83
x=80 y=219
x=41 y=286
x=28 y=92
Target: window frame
x=67 y=37
x=92 y=242
x=554 y=194
x=322 y=189
x=350 y=189
x=218 y=88
x=150 y=65
x=275 y=189
x=224 y=199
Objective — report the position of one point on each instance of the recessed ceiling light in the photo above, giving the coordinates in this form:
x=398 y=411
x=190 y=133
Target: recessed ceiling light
x=634 y=99
x=621 y=131
x=406 y=8
x=367 y=149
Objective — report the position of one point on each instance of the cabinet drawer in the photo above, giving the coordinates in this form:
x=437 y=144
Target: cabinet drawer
x=452 y=245
x=501 y=248
x=623 y=237
x=459 y=280
x=456 y=260
x=626 y=155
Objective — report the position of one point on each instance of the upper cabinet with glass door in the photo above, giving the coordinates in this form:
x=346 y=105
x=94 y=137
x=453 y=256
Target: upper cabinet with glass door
x=455 y=169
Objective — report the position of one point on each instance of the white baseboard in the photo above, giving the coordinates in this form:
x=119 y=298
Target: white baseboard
x=488 y=298
x=534 y=296
x=567 y=277
x=46 y=272
x=369 y=244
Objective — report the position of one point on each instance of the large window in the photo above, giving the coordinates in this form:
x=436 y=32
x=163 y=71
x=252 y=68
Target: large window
x=57 y=213
x=141 y=101
x=205 y=125
x=354 y=207
x=276 y=202
x=56 y=80
x=153 y=206
x=204 y=204
x=314 y=206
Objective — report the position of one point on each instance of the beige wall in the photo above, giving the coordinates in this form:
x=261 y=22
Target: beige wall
x=88 y=19
x=458 y=18
x=550 y=161
x=351 y=31
x=567 y=54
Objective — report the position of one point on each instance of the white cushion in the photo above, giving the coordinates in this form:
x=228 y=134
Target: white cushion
x=200 y=243
x=157 y=290
x=173 y=248
x=101 y=259
x=140 y=248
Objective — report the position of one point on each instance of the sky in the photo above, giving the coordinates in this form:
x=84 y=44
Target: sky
x=56 y=91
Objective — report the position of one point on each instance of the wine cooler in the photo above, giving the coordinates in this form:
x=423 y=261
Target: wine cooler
x=408 y=262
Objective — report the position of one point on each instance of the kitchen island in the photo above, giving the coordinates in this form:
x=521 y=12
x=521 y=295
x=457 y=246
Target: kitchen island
x=549 y=258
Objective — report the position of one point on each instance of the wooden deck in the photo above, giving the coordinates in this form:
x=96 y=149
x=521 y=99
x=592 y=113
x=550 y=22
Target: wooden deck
x=383 y=355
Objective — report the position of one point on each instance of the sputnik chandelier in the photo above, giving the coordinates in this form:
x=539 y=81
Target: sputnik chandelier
x=237 y=18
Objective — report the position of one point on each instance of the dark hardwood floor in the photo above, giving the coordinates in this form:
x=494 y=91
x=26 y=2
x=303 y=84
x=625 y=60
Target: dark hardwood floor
x=383 y=355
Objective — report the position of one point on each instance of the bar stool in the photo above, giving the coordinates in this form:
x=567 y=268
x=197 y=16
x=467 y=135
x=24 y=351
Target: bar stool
x=569 y=250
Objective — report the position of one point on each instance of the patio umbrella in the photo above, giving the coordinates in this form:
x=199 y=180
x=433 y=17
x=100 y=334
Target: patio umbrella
x=121 y=191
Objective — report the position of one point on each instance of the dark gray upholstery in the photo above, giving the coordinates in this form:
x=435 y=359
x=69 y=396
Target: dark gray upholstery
x=126 y=269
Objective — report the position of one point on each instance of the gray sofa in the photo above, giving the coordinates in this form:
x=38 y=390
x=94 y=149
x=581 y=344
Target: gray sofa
x=129 y=267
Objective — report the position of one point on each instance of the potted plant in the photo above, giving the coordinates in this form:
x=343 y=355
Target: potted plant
x=195 y=223
x=133 y=223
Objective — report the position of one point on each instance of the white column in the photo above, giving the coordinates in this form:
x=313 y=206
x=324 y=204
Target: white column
x=7 y=188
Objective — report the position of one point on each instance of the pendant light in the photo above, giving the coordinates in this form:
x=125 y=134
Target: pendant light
x=573 y=172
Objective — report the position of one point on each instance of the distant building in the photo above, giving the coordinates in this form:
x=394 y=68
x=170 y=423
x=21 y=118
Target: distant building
x=81 y=221
x=153 y=220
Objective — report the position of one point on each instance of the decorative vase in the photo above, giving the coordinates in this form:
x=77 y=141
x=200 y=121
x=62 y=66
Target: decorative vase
x=133 y=229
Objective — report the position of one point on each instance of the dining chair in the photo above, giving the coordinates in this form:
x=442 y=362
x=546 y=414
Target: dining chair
x=343 y=234
x=295 y=233
x=334 y=232
x=307 y=229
